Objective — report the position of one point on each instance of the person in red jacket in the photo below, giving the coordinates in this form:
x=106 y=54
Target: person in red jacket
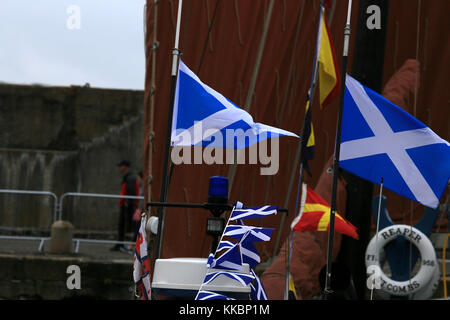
x=130 y=187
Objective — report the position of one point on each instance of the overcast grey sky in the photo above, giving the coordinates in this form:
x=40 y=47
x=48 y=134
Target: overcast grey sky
x=38 y=47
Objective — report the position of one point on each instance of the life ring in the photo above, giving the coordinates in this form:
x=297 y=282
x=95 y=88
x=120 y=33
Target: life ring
x=424 y=293
x=428 y=265
x=428 y=291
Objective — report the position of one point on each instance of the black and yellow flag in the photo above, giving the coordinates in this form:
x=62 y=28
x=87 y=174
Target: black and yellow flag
x=329 y=85
x=307 y=140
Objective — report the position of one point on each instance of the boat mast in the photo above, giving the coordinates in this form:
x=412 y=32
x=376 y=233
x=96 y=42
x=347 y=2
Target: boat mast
x=164 y=176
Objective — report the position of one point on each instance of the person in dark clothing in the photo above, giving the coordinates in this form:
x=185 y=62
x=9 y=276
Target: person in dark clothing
x=130 y=187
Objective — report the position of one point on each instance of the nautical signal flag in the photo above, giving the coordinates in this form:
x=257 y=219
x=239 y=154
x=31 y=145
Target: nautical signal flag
x=315 y=215
x=329 y=85
x=329 y=80
x=379 y=140
x=308 y=140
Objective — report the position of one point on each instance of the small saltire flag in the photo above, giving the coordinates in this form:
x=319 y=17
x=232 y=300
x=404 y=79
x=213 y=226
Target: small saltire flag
x=379 y=140
x=314 y=215
x=204 y=117
x=257 y=291
x=243 y=278
x=225 y=245
x=230 y=259
x=209 y=295
x=257 y=212
x=141 y=264
x=255 y=233
x=329 y=80
x=249 y=254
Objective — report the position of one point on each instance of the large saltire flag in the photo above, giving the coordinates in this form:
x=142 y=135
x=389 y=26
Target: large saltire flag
x=204 y=117
x=314 y=215
x=141 y=264
x=379 y=140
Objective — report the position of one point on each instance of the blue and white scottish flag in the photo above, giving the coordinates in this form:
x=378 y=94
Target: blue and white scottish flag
x=249 y=213
x=243 y=278
x=381 y=140
x=209 y=295
x=204 y=117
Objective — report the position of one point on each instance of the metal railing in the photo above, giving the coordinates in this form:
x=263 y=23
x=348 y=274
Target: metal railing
x=92 y=195
x=35 y=192
x=57 y=214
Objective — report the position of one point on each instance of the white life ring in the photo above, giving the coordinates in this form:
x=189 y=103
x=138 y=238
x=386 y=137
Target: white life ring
x=429 y=290
x=428 y=265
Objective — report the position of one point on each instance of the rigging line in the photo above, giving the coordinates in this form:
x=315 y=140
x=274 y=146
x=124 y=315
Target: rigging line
x=415 y=111
x=151 y=59
x=207 y=37
x=309 y=99
x=250 y=93
x=294 y=49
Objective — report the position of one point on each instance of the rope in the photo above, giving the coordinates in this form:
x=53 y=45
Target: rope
x=248 y=101
x=414 y=112
x=207 y=37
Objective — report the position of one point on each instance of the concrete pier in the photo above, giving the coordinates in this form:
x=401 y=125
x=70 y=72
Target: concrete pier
x=27 y=274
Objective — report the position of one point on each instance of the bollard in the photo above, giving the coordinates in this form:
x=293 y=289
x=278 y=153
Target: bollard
x=61 y=237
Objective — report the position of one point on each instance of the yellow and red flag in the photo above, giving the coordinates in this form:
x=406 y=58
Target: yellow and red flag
x=315 y=215
x=329 y=81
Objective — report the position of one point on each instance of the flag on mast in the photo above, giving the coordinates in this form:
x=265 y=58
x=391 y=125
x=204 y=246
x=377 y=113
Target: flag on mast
x=329 y=83
x=204 y=117
x=381 y=140
x=308 y=140
x=315 y=215
x=329 y=79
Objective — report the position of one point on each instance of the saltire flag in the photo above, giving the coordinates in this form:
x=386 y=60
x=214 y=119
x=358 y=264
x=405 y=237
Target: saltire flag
x=381 y=140
x=255 y=233
x=204 y=117
x=209 y=295
x=314 y=215
x=225 y=245
x=248 y=251
x=257 y=291
x=141 y=264
x=257 y=212
x=243 y=278
x=249 y=254
x=231 y=259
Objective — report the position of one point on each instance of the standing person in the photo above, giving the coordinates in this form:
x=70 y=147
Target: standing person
x=130 y=187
